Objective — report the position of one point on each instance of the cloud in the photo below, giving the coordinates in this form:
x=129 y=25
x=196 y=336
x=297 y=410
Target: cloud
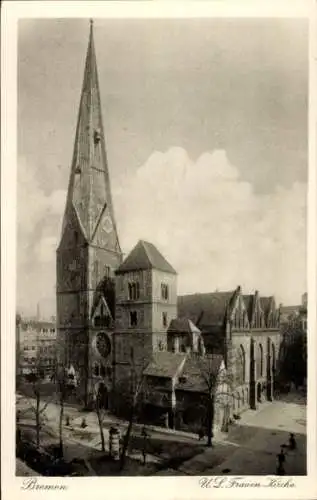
x=212 y=226
x=209 y=223
x=39 y=220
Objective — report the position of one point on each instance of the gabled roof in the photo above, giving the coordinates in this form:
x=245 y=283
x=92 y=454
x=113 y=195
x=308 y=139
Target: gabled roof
x=205 y=308
x=182 y=325
x=145 y=256
x=165 y=364
x=196 y=370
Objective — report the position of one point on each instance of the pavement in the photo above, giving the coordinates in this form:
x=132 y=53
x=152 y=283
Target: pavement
x=250 y=447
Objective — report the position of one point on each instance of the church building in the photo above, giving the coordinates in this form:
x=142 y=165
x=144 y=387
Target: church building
x=121 y=318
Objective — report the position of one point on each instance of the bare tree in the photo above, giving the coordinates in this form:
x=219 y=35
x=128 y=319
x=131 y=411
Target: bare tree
x=217 y=389
x=35 y=378
x=134 y=402
x=66 y=384
x=101 y=414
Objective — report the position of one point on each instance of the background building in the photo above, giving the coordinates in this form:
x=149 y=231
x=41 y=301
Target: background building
x=36 y=341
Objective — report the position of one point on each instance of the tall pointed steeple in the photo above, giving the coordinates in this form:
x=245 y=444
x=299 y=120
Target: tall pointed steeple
x=89 y=252
x=89 y=190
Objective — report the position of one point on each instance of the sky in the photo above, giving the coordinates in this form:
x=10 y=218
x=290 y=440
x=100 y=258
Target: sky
x=206 y=133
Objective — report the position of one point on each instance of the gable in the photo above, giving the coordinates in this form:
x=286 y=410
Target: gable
x=72 y=232
x=101 y=314
x=239 y=314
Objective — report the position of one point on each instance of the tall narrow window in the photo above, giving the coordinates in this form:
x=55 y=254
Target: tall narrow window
x=133 y=318
x=164 y=291
x=107 y=272
x=259 y=361
x=134 y=290
x=164 y=319
x=241 y=365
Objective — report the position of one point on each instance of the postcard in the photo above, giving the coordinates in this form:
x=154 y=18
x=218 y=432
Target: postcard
x=159 y=249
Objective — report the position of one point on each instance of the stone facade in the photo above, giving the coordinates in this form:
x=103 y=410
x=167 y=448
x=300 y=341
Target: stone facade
x=245 y=330
x=113 y=316
x=146 y=303
x=89 y=250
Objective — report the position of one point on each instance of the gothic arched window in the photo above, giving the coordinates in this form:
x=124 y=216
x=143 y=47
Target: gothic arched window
x=259 y=361
x=241 y=365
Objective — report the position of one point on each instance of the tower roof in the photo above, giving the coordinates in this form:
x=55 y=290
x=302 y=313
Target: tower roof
x=89 y=191
x=145 y=256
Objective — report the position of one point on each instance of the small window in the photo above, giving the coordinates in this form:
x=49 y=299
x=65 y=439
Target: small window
x=133 y=318
x=102 y=371
x=96 y=370
x=164 y=291
x=164 y=319
x=97 y=136
x=107 y=271
x=134 y=290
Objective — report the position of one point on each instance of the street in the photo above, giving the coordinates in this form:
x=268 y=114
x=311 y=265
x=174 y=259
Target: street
x=250 y=447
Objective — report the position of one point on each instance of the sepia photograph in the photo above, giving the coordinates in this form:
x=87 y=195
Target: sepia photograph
x=161 y=312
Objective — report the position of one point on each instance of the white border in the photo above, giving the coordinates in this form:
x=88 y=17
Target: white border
x=147 y=487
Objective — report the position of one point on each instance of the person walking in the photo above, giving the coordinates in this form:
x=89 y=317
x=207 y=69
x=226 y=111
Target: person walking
x=281 y=461
x=292 y=441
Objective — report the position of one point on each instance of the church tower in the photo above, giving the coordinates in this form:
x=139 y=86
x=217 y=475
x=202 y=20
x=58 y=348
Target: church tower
x=89 y=251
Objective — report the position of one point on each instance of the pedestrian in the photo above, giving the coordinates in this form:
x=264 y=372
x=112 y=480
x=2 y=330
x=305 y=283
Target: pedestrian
x=281 y=461
x=280 y=471
x=292 y=441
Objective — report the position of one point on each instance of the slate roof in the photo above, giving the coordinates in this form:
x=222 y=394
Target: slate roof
x=164 y=364
x=145 y=256
x=192 y=376
x=205 y=308
x=182 y=325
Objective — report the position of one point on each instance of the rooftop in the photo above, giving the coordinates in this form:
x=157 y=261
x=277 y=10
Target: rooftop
x=165 y=364
x=205 y=308
x=182 y=325
x=145 y=256
x=196 y=370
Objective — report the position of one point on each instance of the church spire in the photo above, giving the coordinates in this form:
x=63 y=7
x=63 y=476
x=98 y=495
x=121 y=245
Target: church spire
x=89 y=190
